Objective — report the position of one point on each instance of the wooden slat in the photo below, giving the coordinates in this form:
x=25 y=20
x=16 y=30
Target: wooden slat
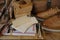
x=52 y=35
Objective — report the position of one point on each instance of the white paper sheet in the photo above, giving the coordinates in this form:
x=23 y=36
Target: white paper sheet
x=23 y=23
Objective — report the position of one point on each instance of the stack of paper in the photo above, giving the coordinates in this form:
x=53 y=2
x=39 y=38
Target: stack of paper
x=29 y=32
x=23 y=23
x=23 y=26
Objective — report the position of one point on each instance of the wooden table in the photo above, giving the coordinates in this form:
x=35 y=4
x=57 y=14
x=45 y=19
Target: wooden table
x=52 y=35
x=19 y=37
x=47 y=36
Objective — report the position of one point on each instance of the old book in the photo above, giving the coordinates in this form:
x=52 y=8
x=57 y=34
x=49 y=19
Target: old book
x=48 y=13
x=23 y=23
x=53 y=22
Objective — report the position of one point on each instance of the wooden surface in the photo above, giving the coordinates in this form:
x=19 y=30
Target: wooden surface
x=55 y=3
x=40 y=5
x=47 y=36
x=20 y=37
x=53 y=22
x=52 y=36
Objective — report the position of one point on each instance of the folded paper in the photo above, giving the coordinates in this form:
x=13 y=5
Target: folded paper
x=23 y=23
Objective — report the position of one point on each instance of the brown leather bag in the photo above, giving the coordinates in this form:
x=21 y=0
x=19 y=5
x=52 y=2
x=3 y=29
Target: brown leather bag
x=53 y=22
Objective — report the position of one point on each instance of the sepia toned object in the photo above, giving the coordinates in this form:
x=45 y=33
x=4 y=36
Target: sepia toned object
x=27 y=1
x=22 y=9
x=1 y=4
x=48 y=13
x=55 y=3
x=4 y=15
x=40 y=5
x=52 y=23
x=1 y=1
